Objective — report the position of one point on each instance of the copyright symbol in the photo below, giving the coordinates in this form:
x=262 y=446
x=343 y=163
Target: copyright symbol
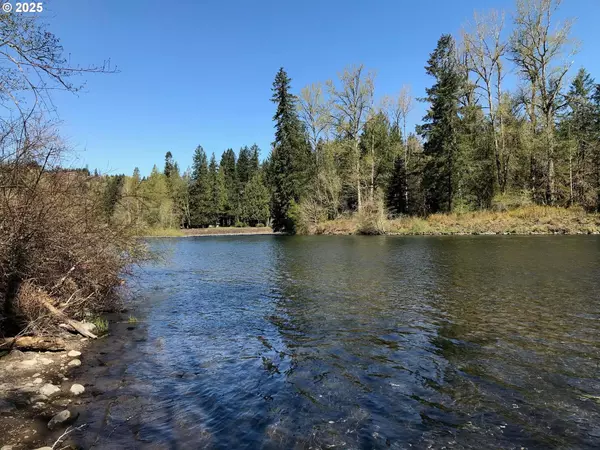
x=7 y=7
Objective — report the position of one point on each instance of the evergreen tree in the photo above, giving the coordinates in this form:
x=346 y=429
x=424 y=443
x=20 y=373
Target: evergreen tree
x=579 y=129
x=395 y=197
x=217 y=194
x=243 y=165
x=199 y=190
x=230 y=181
x=290 y=157
x=254 y=160
x=168 y=164
x=112 y=194
x=255 y=201
x=441 y=127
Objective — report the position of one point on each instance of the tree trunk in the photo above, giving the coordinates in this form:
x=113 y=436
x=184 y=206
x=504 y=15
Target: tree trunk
x=372 y=168
x=359 y=199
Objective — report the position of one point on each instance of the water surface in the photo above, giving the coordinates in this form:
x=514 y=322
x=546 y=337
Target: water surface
x=369 y=342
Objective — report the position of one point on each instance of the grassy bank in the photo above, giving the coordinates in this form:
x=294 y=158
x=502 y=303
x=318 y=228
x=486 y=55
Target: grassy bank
x=220 y=231
x=524 y=220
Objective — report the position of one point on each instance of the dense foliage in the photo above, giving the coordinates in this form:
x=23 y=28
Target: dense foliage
x=339 y=149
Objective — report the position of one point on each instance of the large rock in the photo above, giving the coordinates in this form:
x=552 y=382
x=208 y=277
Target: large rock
x=77 y=389
x=62 y=418
x=74 y=363
x=49 y=390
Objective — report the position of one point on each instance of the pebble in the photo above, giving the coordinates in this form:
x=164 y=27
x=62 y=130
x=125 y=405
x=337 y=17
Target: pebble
x=77 y=389
x=38 y=381
x=73 y=354
x=49 y=389
x=39 y=398
x=46 y=361
x=29 y=363
x=7 y=447
x=38 y=406
x=35 y=375
x=59 y=419
x=44 y=448
x=74 y=363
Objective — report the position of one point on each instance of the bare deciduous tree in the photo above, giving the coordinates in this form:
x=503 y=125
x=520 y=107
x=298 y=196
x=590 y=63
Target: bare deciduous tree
x=315 y=113
x=484 y=51
x=543 y=57
x=352 y=102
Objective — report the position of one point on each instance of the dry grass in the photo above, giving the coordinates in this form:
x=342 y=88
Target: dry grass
x=523 y=220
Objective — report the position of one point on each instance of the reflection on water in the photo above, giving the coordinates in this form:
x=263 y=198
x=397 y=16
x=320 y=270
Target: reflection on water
x=372 y=342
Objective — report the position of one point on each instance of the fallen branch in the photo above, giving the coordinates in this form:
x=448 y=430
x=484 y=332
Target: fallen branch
x=66 y=433
x=77 y=326
x=33 y=343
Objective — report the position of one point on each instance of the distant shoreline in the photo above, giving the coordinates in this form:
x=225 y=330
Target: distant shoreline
x=216 y=231
x=523 y=221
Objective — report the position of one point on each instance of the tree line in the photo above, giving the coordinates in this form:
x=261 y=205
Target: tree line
x=231 y=192
x=339 y=150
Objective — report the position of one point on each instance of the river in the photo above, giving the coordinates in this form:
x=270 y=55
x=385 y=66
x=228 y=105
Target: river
x=360 y=342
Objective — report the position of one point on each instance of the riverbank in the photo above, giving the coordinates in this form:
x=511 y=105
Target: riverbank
x=41 y=394
x=89 y=379
x=523 y=221
x=217 y=231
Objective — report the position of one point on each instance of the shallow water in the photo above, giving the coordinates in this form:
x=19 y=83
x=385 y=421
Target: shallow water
x=369 y=342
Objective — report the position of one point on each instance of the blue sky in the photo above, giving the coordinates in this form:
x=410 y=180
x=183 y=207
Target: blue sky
x=200 y=72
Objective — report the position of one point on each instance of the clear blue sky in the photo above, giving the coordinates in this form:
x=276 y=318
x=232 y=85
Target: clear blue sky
x=200 y=72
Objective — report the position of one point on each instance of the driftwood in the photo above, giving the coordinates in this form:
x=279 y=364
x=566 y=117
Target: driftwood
x=33 y=343
x=77 y=326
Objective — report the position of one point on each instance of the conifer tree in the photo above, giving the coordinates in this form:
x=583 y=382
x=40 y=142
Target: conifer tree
x=216 y=191
x=441 y=127
x=168 y=164
x=290 y=158
x=199 y=190
x=228 y=167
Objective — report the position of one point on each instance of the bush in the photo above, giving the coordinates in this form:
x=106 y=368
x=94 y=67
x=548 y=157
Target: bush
x=372 y=218
x=55 y=244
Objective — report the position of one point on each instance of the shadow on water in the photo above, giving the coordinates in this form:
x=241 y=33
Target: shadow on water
x=360 y=342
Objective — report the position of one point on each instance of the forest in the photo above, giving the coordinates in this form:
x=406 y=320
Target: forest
x=340 y=150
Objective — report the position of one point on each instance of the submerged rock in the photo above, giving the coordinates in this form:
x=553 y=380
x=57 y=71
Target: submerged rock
x=38 y=381
x=6 y=407
x=74 y=363
x=61 y=418
x=73 y=354
x=49 y=389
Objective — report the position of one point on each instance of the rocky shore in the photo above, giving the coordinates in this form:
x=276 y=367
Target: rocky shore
x=40 y=396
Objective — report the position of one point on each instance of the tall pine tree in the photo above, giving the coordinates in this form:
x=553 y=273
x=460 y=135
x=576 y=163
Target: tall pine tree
x=199 y=190
x=230 y=181
x=290 y=158
x=441 y=127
